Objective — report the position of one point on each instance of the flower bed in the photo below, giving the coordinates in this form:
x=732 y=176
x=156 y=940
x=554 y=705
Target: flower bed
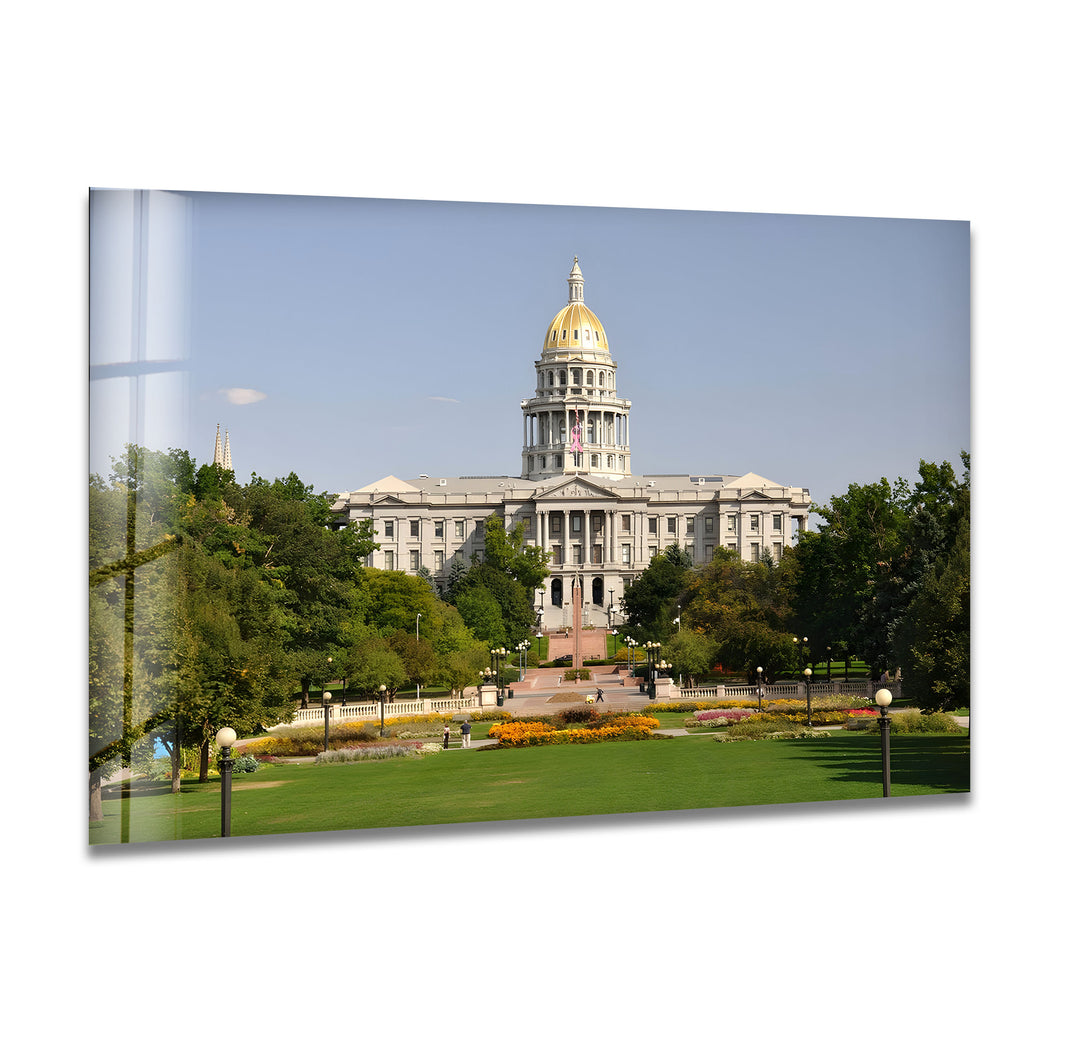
x=713 y=718
x=616 y=728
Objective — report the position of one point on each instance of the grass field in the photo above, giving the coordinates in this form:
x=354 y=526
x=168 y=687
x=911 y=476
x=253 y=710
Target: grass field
x=494 y=785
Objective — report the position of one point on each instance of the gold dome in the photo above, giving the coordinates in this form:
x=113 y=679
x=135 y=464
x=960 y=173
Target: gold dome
x=576 y=328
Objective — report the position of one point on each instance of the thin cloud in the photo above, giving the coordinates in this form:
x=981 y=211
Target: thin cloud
x=443 y=398
x=242 y=396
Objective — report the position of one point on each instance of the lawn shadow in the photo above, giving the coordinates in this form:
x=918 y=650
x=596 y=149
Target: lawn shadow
x=935 y=761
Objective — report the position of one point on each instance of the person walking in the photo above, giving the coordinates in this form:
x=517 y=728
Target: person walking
x=446 y=737
x=599 y=695
x=466 y=734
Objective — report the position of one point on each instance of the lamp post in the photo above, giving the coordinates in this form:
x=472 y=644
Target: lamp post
x=808 y=673
x=522 y=648
x=883 y=697
x=652 y=655
x=759 y=673
x=326 y=721
x=225 y=739
x=418 y=615
x=382 y=710
x=828 y=663
x=498 y=656
x=631 y=644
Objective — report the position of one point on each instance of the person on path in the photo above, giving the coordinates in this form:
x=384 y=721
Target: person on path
x=466 y=732
x=446 y=737
x=599 y=695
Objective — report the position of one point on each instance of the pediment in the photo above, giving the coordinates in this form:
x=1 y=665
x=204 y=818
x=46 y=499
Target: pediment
x=752 y=486
x=577 y=488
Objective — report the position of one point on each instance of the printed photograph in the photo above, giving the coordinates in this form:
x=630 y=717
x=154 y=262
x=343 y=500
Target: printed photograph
x=415 y=512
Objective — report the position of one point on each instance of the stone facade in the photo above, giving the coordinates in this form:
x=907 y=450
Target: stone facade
x=576 y=498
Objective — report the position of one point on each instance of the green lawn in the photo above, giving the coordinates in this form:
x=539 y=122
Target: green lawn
x=544 y=782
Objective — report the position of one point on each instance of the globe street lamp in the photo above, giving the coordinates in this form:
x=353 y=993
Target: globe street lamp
x=326 y=720
x=522 y=647
x=225 y=739
x=631 y=644
x=808 y=673
x=759 y=673
x=382 y=710
x=498 y=656
x=418 y=615
x=883 y=697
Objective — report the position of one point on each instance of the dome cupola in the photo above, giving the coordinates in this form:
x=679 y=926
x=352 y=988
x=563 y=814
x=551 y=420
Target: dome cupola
x=576 y=328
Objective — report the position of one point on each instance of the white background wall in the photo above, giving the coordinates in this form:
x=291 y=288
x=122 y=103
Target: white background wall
x=944 y=109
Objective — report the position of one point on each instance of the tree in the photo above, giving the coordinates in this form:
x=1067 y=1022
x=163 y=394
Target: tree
x=651 y=600
x=845 y=568
x=931 y=639
x=690 y=653
x=495 y=596
x=744 y=607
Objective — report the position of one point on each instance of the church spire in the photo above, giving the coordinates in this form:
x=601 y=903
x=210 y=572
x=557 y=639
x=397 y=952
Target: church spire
x=576 y=283
x=222 y=454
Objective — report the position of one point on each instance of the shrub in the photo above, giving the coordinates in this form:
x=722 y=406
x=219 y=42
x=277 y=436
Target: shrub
x=579 y=715
x=376 y=752
x=245 y=762
x=919 y=723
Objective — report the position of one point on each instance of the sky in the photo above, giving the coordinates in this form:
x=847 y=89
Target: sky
x=347 y=339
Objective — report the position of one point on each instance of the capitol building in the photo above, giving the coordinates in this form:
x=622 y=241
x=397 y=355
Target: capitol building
x=577 y=496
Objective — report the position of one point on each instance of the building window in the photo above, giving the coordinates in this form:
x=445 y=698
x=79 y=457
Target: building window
x=754 y=522
x=671 y=524
x=708 y=551
x=575 y=523
x=575 y=334
x=459 y=530
x=755 y=552
x=388 y=528
x=777 y=523
x=689 y=548
x=388 y=560
x=731 y=546
x=626 y=553
x=598 y=554
x=708 y=525
x=438 y=530
x=777 y=551
x=626 y=523
x=731 y=520
x=594 y=460
x=414 y=527
x=556 y=525
x=543 y=461
x=527 y=522
x=414 y=560
x=440 y=560
x=689 y=526
x=601 y=374
x=578 y=556
x=611 y=461
x=556 y=554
